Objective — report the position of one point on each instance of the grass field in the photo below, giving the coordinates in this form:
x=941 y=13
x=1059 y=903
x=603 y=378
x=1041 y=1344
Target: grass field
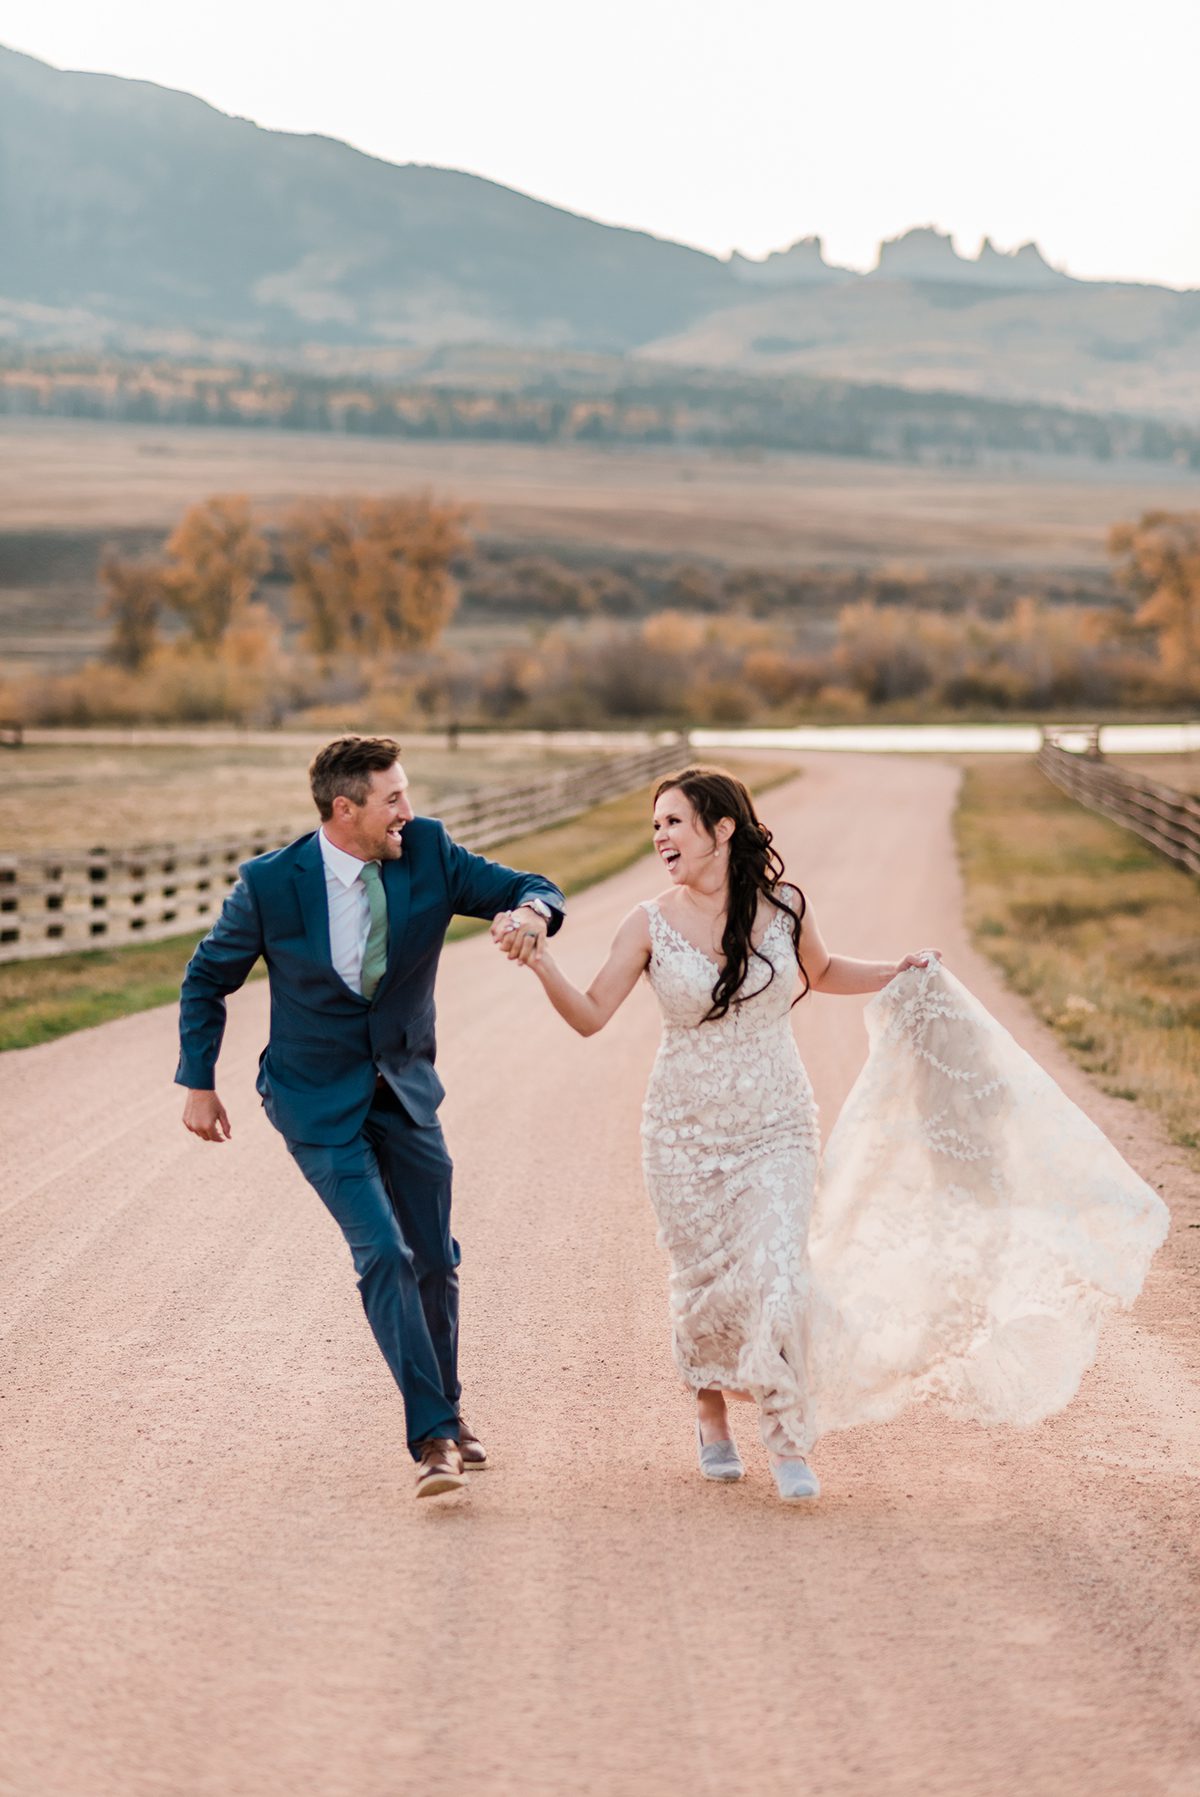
x=115 y=797
x=760 y=508
x=69 y=487
x=1099 y=932
x=41 y=1000
x=1180 y=771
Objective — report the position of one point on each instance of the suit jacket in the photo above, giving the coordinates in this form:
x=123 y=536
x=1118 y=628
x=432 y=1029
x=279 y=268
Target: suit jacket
x=327 y=1043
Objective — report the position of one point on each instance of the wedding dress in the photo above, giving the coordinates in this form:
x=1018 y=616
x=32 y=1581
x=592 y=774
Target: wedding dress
x=960 y=1242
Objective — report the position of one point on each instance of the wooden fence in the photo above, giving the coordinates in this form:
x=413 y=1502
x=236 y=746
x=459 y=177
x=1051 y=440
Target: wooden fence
x=57 y=904
x=1167 y=819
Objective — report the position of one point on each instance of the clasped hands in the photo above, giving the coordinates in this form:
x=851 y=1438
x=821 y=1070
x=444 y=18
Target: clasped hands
x=520 y=935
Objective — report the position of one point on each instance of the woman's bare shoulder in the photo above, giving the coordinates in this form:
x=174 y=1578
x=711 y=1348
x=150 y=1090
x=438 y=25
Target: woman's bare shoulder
x=635 y=925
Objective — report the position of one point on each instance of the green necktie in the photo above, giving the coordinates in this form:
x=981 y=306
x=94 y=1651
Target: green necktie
x=375 y=953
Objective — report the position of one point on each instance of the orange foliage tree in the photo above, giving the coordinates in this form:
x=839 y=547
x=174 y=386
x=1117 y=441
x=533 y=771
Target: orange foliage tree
x=219 y=555
x=374 y=575
x=135 y=593
x=1158 y=562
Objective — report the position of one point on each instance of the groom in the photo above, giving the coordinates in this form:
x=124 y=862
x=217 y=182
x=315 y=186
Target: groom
x=350 y=921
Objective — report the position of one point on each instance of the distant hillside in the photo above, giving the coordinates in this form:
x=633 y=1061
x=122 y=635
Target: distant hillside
x=140 y=219
x=127 y=205
x=1104 y=348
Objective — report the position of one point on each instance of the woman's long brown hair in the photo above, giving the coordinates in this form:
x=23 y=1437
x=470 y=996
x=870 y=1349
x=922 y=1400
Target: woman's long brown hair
x=755 y=867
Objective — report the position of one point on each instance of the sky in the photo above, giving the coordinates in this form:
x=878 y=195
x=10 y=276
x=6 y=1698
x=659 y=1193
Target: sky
x=727 y=126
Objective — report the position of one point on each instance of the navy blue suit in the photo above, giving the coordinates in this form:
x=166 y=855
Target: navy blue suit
x=351 y=1084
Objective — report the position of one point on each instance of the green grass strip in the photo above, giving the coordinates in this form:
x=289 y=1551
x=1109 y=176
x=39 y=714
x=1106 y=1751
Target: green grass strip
x=1096 y=929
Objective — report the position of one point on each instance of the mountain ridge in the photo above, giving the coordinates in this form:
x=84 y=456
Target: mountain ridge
x=137 y=217
x=922 y=253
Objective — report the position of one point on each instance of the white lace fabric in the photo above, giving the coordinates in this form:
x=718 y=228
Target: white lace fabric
x=960 y=1242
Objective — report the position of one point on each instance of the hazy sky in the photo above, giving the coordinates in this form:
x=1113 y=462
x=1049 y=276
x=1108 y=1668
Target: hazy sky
x=719 y=124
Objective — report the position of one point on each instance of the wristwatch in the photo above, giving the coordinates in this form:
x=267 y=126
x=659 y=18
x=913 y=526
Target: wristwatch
x=536 y=904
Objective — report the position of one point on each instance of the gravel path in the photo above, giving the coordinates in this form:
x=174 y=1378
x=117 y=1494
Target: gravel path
x=217 y=1584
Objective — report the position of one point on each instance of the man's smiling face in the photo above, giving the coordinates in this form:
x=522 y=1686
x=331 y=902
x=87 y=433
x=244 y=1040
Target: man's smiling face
x=374 y=830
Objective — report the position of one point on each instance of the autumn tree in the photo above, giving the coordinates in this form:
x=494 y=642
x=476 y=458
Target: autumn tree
x=691 y=588
x=374 y=575
x=218 y=556
x=1158 y=563
x=135 y=594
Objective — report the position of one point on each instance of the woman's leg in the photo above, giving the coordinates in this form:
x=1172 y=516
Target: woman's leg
x=712 y=1416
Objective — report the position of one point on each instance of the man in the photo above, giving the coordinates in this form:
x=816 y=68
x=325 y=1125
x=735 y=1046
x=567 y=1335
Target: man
x=350 y=921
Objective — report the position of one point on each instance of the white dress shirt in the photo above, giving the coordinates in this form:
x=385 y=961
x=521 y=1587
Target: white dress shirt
x=349 y=911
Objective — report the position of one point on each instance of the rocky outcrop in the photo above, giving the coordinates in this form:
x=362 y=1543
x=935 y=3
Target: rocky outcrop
x=802 y=264
x=927 y=254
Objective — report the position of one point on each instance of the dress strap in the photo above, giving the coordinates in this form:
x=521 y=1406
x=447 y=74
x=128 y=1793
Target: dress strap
x=664 y=938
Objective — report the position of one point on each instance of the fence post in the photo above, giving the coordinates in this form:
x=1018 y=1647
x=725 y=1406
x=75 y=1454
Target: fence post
x=1166 y=819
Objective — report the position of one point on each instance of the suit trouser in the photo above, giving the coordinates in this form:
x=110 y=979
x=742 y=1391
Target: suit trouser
x=389 y=1192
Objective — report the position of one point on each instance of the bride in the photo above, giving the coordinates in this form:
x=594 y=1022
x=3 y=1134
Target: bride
x=967 y=1227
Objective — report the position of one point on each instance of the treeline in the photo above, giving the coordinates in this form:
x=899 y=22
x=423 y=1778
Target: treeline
x=616 y=404
x=369 y=577
x=192 y=636
x=502 y=581
x=371 y=587
x=901 y=663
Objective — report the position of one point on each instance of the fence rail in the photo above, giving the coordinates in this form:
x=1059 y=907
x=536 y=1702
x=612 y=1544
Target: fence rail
x=1165 y=818
x=57 y=904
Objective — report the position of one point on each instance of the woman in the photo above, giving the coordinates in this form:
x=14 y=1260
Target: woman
x=947 y=1266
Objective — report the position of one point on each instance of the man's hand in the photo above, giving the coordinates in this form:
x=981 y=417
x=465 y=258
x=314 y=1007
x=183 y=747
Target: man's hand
x=520 y=935
x=206 y=1117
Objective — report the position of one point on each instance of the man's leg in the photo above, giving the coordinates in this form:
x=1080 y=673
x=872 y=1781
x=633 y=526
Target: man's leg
x=418 y=1175
x=349 y=1181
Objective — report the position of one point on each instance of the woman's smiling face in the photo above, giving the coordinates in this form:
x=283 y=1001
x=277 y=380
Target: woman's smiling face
x=684 y=846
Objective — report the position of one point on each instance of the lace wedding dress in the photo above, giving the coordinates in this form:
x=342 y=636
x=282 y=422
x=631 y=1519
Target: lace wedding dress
x=960 y=1241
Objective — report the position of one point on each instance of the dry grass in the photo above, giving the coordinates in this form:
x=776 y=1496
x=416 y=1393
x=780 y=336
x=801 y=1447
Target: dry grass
x=42 y=1000
x=1180 y=771
x=763 y=509
x=113 y=797
x=1101 y=934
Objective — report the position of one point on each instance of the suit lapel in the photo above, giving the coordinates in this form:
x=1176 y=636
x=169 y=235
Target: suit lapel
x=314 y=900
x=397 y=886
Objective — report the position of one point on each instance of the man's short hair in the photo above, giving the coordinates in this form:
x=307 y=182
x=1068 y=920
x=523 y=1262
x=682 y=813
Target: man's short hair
x=345 y=767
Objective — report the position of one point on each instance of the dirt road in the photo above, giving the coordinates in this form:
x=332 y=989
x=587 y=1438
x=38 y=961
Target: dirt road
x=216 y=1581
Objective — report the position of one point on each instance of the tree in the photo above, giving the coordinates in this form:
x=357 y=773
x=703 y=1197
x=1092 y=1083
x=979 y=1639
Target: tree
x=219 y=556
x=1159 y=564
x=136 y=594
x=373 y=575
x=691 y=588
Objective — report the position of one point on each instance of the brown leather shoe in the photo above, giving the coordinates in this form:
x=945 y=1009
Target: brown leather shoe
x=440 y=1467
x=474 y=1454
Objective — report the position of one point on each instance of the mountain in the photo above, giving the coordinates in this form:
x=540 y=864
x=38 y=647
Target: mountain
x=1105 y=348
x=126 y=205
x=922 y=254
x=139 y=219
x=927 y=254
x=802 y=264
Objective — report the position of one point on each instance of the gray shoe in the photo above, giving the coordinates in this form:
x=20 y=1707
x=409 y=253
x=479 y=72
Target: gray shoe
x=795 y=1480
x=719 y=1459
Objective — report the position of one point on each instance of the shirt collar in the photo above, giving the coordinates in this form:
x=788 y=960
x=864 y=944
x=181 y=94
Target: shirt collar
x=348 y=868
